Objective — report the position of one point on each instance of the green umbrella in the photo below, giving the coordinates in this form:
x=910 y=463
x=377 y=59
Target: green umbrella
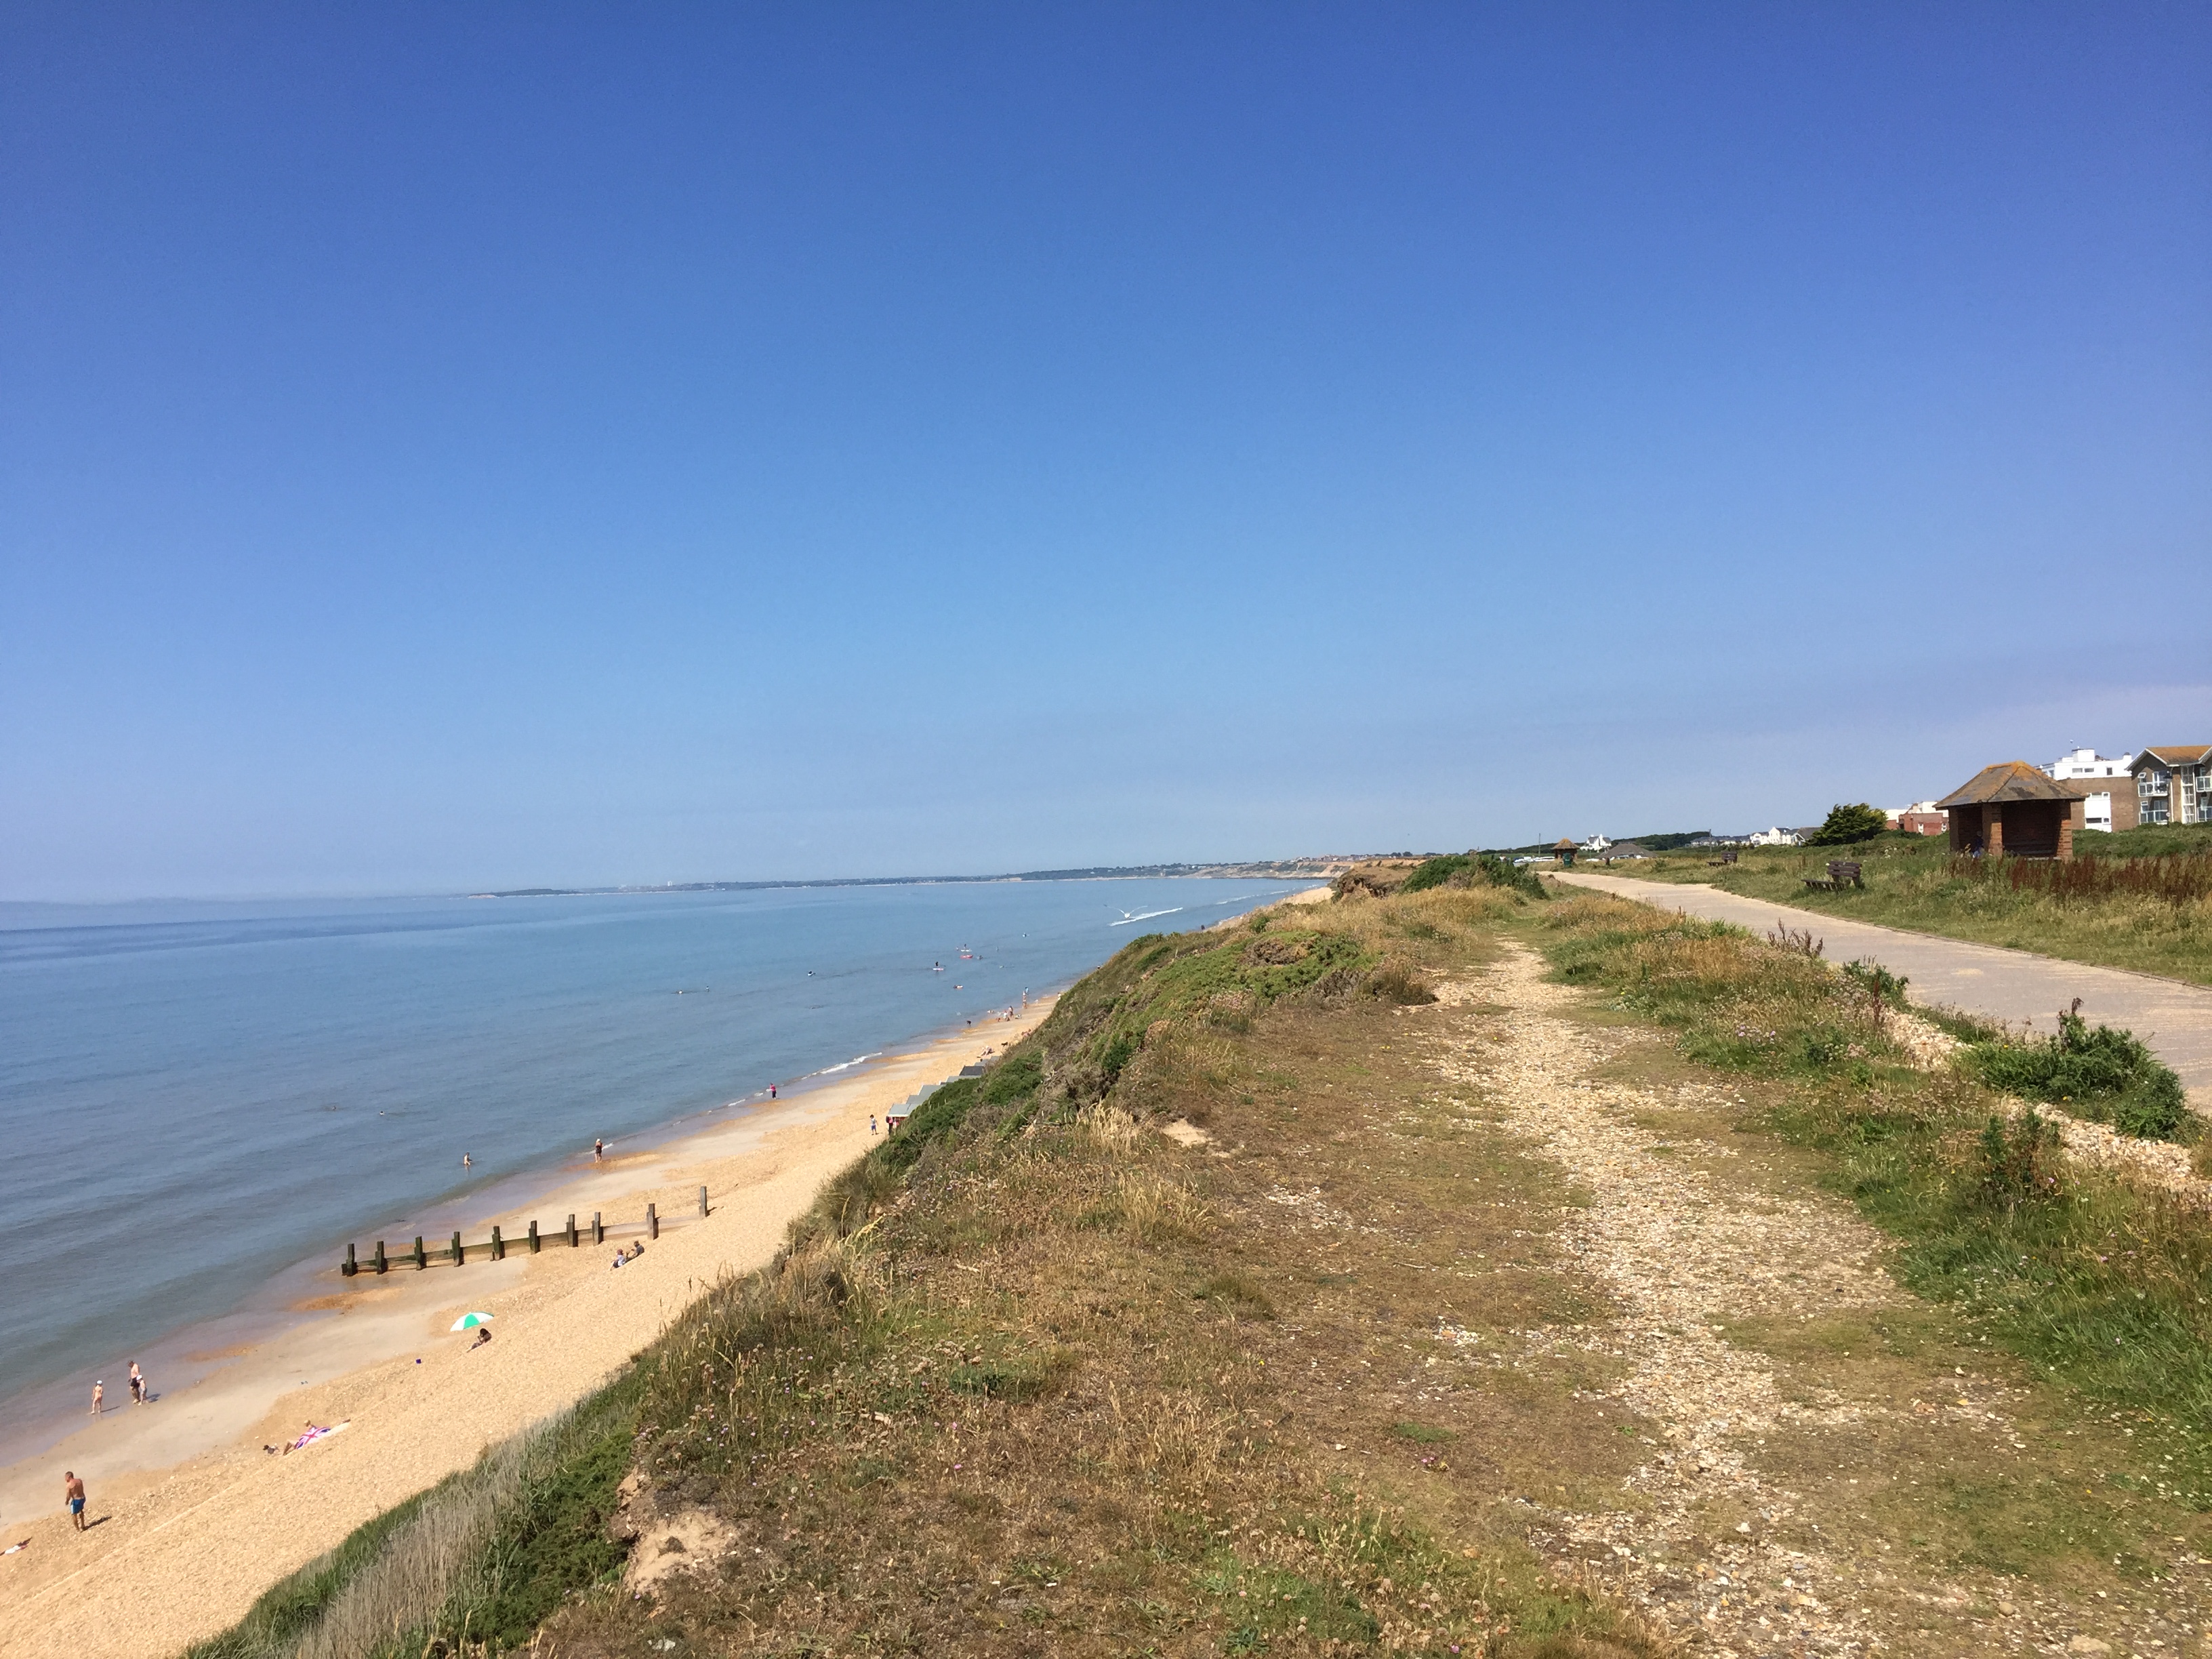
x=470 y=1321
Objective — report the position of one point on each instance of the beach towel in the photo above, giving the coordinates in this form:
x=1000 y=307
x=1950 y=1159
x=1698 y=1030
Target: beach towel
x=314 y=1435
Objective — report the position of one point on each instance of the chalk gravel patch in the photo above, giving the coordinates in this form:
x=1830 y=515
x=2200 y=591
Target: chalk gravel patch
x=1677 y=1258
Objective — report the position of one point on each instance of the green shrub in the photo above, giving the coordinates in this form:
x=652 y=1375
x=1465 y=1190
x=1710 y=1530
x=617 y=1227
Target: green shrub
x=1464 y=869
x=1846 y=824
x=1876 y=981
x=1117 y=1054
x=1015 y=1078
x=2097 y=1072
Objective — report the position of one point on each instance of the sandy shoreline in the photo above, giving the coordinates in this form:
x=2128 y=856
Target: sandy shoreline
x=194 y=1520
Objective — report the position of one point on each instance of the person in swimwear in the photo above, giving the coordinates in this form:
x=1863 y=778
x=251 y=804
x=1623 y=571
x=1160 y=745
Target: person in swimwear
x=73 y=1495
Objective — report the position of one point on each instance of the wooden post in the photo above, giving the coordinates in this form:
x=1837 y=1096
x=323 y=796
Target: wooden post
x=458 y=1247
x=498 y=1246
x=652 y=1222
x=349 y=1267
x=421 y=1256
x=533 y=1238
x=380 y=1256
x=572 y=1230
x=1993 y=831
x=598 y=1229
x=702 y=1203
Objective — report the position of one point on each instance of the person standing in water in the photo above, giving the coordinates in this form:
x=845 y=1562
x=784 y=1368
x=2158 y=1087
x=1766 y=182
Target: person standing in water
x=598 y=1150
x=771 y=1092
x=464 y=1160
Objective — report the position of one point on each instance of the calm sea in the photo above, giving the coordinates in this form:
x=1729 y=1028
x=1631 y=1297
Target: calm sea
x=194 y=1097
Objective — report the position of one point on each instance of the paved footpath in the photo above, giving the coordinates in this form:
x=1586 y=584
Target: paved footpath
x=2018 y=985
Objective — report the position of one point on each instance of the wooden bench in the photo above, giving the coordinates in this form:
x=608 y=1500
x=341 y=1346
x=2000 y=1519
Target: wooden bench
x=1842 y=873
x=1727 y=857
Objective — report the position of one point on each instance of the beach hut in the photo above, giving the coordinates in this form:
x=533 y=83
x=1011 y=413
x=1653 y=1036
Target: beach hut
x=2014 y=810
x=1564 y=850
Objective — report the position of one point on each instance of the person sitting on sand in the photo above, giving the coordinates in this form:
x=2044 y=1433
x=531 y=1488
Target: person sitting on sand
x=73 y=1495
x=483 y=1336
x=621 y=1256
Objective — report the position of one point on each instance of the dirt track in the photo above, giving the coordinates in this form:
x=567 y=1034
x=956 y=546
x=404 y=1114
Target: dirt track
x=1774 y=1512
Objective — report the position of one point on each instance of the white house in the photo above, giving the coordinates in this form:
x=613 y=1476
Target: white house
x=2097 y=806
x=1776 y=837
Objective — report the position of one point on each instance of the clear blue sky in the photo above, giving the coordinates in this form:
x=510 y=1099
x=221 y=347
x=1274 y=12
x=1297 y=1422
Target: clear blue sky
x=447 y=446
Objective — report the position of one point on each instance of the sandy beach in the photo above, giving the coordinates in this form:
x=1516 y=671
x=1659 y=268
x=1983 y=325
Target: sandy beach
x=192 y=1519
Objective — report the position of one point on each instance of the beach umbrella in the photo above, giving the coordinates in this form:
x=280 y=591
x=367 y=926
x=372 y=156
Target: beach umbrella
x=469 y=1321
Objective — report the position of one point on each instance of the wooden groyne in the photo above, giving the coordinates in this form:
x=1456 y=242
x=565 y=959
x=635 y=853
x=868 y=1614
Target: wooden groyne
x=494 y=1248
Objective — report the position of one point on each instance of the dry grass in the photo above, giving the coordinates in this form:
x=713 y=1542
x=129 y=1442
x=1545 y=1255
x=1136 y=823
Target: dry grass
x=1084 y=1390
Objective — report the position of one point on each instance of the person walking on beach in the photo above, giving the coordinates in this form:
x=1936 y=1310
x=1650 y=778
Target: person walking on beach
x=137 y=1385
x=871 y=1124
x=99 y=1394
x=73 y=1495
x=771 y=1092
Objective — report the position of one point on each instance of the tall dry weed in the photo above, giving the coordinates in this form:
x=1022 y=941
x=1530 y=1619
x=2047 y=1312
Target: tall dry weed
x=1154 y=1209
x=1111 y=1125
x=1172 y=1436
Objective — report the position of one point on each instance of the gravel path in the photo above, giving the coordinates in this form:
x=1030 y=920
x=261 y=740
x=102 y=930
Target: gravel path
x=2015 y=986
x=1684 y=1251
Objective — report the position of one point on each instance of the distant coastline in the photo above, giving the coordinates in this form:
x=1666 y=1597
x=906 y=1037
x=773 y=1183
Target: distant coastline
x=1245 y=869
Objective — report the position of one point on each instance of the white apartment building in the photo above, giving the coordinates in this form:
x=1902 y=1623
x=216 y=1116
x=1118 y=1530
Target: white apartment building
x=2174 y=786
x=2096 y=808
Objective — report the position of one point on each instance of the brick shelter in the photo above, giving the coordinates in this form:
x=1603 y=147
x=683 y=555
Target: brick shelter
x=2014 y=810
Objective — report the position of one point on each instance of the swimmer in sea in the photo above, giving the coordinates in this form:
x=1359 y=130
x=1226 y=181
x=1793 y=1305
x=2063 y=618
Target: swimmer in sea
x=464 y=1160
